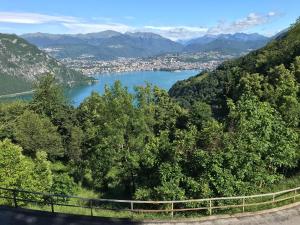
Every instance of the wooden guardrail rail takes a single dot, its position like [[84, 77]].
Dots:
[[19, 198]]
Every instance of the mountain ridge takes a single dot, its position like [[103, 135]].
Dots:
[[111, 44], [106, 44], [23, 63]]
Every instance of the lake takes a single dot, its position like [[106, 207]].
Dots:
[[162, 79]]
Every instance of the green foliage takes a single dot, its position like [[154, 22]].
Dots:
[[21, 57], [35, 133], [9, 112], [200, 113], [20, 172], [239, 133], [63, 184]]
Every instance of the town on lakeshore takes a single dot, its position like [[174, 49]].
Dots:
[[88, 65]]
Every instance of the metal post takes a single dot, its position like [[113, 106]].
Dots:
[[295, 195], [131, 209], [172, 208], [52, 205], [15, 198], [273, 201], [243, 204], [131, 206], [210, 210], [91, 206]]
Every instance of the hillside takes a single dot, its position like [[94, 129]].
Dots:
[[104, 45], [22, 63], [214, 87]]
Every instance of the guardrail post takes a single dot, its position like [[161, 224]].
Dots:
[[52, 205], [15, 198], [210, 210], [131, 206], [131, 209], [172, 208], [273, 200], [243, 204], [91, 206], [295, 195]]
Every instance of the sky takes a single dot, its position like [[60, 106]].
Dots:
[[173, 19]]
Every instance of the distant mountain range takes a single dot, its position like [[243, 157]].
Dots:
[[111, 44], [227, 43], [23, 63], [105, 45]]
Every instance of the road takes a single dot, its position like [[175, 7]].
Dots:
[[284, 216]]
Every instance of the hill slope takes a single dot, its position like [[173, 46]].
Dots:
[[214, 87], [22, 63]]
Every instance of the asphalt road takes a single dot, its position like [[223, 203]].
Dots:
[[284, 216]]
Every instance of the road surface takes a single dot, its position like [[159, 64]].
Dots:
[[283, 216]]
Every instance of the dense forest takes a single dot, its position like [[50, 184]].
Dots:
[[228, 132]]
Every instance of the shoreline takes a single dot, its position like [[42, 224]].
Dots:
[[136, 71], [16, 94]]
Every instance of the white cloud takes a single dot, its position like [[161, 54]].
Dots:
[[189, 32], [97, 24], [241, 25], [176, 32], [33, 18]]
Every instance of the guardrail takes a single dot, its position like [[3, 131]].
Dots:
[[19, 198]]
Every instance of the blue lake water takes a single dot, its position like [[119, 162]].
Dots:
[[162, 79]]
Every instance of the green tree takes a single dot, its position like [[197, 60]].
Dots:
[[9, 112], [286, 92], [200, 113], [35, 133], [20, 172]]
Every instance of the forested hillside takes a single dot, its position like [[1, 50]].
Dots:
[[23, 63], [234, 131], [260, 71]]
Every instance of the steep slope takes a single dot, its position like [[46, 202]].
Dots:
[[216, 86], [104, 45], [22, 63]]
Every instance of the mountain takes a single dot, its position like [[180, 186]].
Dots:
[[227, 43], [22, 63], [104, 45], [225, 82], [109, 44]]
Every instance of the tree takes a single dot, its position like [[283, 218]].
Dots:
[[35, 133], [63, 184], [200, 113], [49, 100], [48, 97], [261, 143], [9, 112], [20, 172], [286, 92], [12, 165], [74, 150]]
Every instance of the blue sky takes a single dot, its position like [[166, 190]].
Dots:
[[174, 19]]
